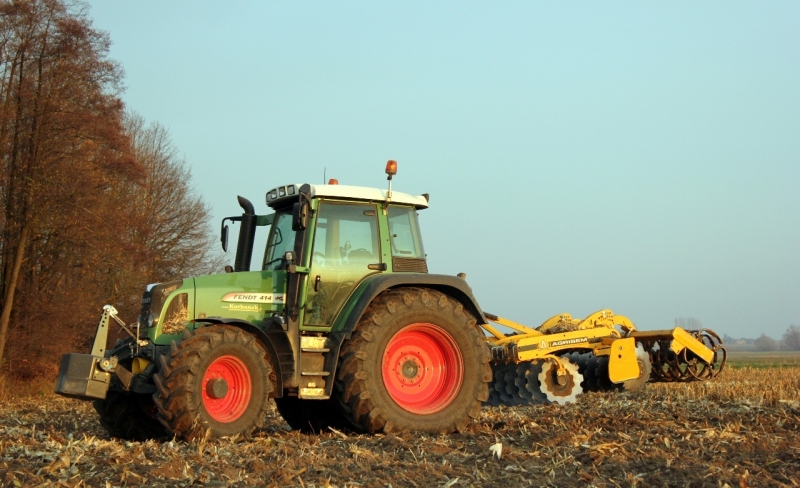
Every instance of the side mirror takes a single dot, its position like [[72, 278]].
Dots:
[[224, 237], [300, 215]]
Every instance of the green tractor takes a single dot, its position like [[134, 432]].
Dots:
[[341, 325], [344, 328]]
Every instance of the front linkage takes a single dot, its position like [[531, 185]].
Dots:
[[126, 367]]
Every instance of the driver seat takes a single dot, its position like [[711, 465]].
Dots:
[[359, 255]]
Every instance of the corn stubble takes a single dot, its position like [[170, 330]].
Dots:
[[742, 429]]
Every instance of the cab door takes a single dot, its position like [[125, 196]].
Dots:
[[346, 249]]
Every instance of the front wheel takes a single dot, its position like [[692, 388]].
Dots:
[[416, 361], [215, 382], [129, 416]]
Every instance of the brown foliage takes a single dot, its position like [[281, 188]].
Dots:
[[81, 191]]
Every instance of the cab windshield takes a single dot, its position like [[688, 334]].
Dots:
[[281, 239]]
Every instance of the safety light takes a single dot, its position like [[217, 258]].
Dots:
[[333, 181], [391, 170], [391, 167]]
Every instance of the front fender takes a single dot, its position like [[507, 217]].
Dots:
[[276, 341]]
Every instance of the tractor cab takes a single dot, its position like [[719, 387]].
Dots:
[[349, 233], [332, 237]]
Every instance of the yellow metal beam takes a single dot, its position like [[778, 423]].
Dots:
[[496, 333], [536, 346], [511, 325]]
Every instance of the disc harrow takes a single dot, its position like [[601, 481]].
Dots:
[[532, 383], [603, 352]]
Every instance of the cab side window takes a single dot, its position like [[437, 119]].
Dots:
[[404, 233]]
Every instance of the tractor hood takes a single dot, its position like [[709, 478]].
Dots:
[[251, 296]]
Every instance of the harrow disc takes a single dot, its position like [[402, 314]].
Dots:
[[494, 392], [645, 368], [527, 396], [516, 384], [512, 396], [595, 373], [531, 375], [560, 393]]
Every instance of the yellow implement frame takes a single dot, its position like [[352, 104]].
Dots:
[[598, 332], [602, 333]]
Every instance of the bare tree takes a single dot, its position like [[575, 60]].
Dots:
[[766, 343], [689, 323], [173, 223], [791, 338]]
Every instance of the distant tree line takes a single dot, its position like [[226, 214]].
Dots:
[[94, 202], [789, 342]]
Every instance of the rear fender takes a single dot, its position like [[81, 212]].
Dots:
[[452, 286]]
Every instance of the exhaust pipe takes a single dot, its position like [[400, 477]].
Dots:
[[247, 235]]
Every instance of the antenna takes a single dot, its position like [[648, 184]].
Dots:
[[324, 175]]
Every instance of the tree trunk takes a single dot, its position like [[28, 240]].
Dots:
[[12, 286]]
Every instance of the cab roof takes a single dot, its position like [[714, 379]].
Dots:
[[281, 194]]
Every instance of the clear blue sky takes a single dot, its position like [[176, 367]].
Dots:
[[643, 157]]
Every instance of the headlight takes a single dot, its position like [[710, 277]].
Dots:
[[150, 320]]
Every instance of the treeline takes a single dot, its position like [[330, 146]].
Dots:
[[94, 202], [790, 341]]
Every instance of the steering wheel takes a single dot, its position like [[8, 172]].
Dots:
[[359, 253]]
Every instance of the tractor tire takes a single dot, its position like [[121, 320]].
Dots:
[[215, 382], [129, 416], [311, 416], [416, 361]]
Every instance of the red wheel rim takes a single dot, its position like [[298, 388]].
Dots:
[[226, 389], [422, 368]]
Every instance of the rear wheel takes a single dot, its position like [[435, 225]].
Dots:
[[416, 361], [215, 382], [129, 416]]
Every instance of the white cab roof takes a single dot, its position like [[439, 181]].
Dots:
[[345, 192], [364, 193]]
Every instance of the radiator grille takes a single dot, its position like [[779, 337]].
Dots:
[[409, 265]]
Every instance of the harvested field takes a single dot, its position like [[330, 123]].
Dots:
[[773, 359], [743, 429]]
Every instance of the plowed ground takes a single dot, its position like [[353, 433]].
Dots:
[[742, 429]]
